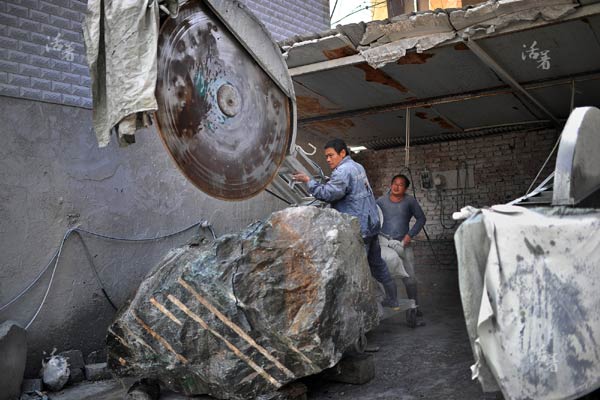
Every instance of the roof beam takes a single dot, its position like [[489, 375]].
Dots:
[[508, 79], [454, 98]]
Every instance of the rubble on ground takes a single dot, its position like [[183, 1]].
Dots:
[[244, 315]]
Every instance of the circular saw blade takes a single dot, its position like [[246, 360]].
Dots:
[[223, 120]]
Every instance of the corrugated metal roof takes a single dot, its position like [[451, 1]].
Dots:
[[357, 81]]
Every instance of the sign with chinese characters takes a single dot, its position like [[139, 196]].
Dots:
[[63, 46], [533, 53]]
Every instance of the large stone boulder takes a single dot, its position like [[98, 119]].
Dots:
[[244, 315]]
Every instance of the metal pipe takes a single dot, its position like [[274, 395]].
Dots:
[[507, 78], [572, 95], [446, 99], [407, 139], [468, 133]]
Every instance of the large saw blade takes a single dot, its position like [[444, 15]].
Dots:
[[222, 118]]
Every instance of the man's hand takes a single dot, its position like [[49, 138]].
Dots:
[[407, 239], [300, 177]]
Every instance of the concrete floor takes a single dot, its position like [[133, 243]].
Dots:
[[430, 362]]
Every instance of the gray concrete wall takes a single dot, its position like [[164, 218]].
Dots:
[[52, 177]]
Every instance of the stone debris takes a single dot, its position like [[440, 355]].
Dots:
[[31, 385], [97, 372], [13, 353], [144, 389], [251, 312], [55, 372], [76, 365]]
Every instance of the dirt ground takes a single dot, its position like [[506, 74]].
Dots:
[[429, 362]]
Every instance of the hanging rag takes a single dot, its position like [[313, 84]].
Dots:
[[121, 40]]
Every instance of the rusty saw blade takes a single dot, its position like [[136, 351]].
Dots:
[[224, 121]]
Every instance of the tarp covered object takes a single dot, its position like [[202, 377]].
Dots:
[[121, 46], [529, 282]]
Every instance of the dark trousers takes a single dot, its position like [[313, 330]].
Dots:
[[379, 268]]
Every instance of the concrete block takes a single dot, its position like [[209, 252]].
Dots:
[[9, 90], [33, 94], [63, 66], [60, 22], [49, 8], [71, 100], [39, 16], [80, 69], [52, 97], [41, 84], [79, 5], [31, 385], [81, 91], [29, 25], [31, 4], [19, 80], [74, 358], [61, 87], [13, 348], [70, 78], [9, 20], [19, 11], [355, 369], [45, 62], [77, 375], [18, 56], [97, 372], [31, 48], [97, 356], [19, 34], [51, 31]]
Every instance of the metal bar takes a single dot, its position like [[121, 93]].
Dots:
[[407, 139], [507, 78], [326, 65], [467, 134], [572, 96], [454, 98]]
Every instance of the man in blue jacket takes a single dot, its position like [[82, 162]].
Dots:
[[348, 191]]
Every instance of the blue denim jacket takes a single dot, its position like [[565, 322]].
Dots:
[[348, 191]]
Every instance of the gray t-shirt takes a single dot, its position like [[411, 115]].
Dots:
[[397, 216]]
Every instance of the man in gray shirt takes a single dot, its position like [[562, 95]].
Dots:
[[398, 209]]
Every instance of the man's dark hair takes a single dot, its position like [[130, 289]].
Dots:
[[338, 145], [406, 180]]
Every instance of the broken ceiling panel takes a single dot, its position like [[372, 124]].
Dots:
[[356, 86], [494, 16], [442, 71], [327, 48]]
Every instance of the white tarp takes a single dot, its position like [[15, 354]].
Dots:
[[530, 287]]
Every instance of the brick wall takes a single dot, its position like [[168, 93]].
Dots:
[[503, 168], [286, 18], [42, 55]]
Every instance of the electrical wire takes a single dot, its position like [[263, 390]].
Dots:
[[56, 258], [544, 165], [333, 9], [359, 10]]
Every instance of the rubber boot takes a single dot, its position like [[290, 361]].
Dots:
[[391, 294], [411, 292]]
